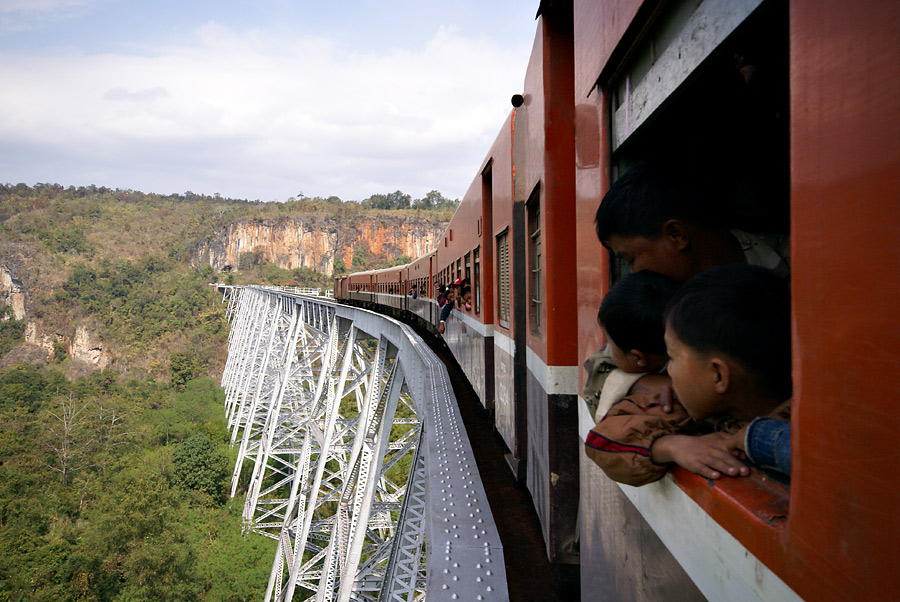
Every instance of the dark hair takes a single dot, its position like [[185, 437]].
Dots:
[[632, 311], [466, 289], [648, 195], [744, 312]]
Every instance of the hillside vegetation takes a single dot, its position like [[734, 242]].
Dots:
[[113, 482]]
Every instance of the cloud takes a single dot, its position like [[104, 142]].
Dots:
[[136, 96], [23, 15], [261, 115]]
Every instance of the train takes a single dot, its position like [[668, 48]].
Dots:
[[792, 110]]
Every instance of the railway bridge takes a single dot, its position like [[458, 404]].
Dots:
[[353, 455]]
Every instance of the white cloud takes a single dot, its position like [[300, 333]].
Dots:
[[23, 15], [259, 115]]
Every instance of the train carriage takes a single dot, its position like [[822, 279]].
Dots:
[[421, 273], [791, 111], [469, 330]]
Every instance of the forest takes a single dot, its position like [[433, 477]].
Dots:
[[113, 481]]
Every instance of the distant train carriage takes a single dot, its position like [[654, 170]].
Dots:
[[791, 113], [421, 274]]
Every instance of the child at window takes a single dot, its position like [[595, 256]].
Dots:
[[727, 334], [447, 308], [631, 318]]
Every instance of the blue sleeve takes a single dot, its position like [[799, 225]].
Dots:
[[445, 311], [768, 443]]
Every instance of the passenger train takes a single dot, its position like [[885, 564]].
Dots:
[[792, 111]]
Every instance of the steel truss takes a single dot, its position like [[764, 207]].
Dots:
[[346, 426]]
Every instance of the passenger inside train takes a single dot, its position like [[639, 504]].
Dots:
[[465, 298], [727, 334], [447, 307], [655, 217], [631, 318]]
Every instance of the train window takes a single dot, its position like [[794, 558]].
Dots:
[[533, 223], [468, 265], [459, 268], [503, 278], [476, 281], [720, 112]]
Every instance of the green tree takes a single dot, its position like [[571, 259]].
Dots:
[[435, 201], [200, 464], [182, 368], [393, 200], [23, 386]]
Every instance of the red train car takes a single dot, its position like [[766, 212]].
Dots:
[[460, 256], [793, 111], [421, 274]]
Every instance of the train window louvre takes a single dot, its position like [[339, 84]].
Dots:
[[535, 299], [503, 278], [476, 282], [468, 265]]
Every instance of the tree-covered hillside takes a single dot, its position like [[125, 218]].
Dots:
[[117, 491]]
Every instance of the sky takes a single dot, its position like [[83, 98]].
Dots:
[[258, 99]]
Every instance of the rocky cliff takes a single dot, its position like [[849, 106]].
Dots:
[[12, 293], [86, 346], [316, 242]]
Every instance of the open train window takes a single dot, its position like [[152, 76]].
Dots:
[[715, 103], [706, 90]]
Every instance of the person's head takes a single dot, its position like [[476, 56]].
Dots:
[[466, 294], [631, 316], [728, 334], [654, 216]]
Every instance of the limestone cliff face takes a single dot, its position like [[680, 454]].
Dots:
[[12, 293], [316, 242], [85, 347]]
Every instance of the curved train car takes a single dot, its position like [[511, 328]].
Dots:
[[792, 111], [422, 300]]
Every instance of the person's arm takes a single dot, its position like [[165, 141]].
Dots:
[[707, 455], [445, 313], [765, 441], [621, 442]]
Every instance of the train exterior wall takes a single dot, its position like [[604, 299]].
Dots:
[[845, 207], [508, 419], [543, 149], [469, 332]]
